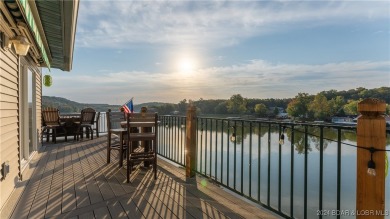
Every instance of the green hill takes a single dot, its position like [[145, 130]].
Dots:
[[68, 106]]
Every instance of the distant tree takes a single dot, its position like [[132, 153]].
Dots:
[[166, 109], [351, 107], [261, 109], [182, 106], [336, 105], [221, 108], [236, 104], [276, 111], [298, 106], [319, 107]]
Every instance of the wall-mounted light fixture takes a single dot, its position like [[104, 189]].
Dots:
[[21, 45]]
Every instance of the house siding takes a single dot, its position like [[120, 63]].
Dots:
[[38, 100], [9, 121]]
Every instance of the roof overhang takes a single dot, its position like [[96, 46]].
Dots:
[[59, 19], [52, 25]]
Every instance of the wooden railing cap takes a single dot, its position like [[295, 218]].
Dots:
[[372, 105]]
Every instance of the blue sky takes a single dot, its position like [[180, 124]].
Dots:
[[166, 51]]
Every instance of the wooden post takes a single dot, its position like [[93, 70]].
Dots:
[[371, 132], [190, 141]]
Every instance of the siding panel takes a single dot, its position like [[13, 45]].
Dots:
[[8, 106], [10, 58], [7, 90], [7, 98], [39, 103], [9, 121], [8, 113], [5, 73], [6, 121], [7, 83]]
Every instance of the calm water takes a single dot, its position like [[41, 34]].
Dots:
[[213, 145]]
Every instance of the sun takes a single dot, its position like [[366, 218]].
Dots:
[[186, 65]]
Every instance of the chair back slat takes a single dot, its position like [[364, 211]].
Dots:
[[87, 116], [114, 120], [50, 116], [142, 120], [145, 119]]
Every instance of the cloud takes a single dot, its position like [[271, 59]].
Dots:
[[212, 23], [253, 79]]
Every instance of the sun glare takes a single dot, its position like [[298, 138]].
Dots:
[[186, 65]]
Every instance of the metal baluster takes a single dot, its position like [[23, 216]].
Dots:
[[321, 168], [292, 174], [235, 155], [177, 147], [338, 170], [250, 159], [259, 164], [228, 154], [211, 145], [269, 164], [242, 157], [222, 127], [216, 150], [305, 180], [205, 150], [201, 145], [280, 171]]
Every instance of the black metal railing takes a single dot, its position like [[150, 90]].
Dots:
[[172, 135], [293, 169]]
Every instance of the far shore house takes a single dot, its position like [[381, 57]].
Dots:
[[33, 34]]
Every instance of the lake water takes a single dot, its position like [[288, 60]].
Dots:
[[214, 144]]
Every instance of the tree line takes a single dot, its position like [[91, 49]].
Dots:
[[322, 105]]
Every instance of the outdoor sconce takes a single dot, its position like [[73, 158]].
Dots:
[[20, 43]]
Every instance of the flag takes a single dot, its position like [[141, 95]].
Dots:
[[128, 106]]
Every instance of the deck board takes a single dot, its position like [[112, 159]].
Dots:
[[73, 180]]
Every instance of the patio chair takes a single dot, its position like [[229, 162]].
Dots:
[[136, 153], [51, 123], [114, 129], [87, 119]]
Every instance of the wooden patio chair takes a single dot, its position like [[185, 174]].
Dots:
[[51, 123], [135, 152], [87, 119], [114, 129]]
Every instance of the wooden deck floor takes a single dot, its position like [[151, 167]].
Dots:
[[73, 180]]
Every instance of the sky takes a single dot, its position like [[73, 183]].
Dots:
[[167, 51]]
